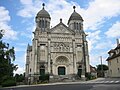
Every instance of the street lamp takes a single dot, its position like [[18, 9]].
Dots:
[[101, 65]]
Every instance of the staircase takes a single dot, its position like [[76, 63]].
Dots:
[[64, 78]]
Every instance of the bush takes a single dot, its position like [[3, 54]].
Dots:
[[7, 83], [88, 76], [43, 78]]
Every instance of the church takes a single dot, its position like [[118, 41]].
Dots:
[[60, 51]]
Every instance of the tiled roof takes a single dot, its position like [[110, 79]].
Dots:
[[118, 47], [114, 54], [93, 69], [111, 51]]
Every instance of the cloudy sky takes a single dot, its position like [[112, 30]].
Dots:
[[101, 23]]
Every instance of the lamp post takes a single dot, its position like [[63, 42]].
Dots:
[[101, 66]]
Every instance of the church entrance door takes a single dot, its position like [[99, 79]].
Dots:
[[42, 70], [79, 72], [61, 70]]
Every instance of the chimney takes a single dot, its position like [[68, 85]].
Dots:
[[117, 41]]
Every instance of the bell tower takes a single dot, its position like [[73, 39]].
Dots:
[[75, 22], [43, 20]]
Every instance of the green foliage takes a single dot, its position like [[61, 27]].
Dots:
[[19, 78], [99, 67], [88, 76], [44, 77], [7, 55], [9, 82]]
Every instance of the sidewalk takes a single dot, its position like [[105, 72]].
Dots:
[[96, 79], [58, 83]]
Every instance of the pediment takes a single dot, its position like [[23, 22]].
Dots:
[[61, 28]]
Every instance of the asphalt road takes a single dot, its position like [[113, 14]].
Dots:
[[98, 84], [70, 87]]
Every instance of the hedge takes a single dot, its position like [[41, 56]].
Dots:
[[7, 83], [43, 78]]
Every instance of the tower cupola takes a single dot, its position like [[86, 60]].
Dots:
[[43, 19], [75, 21]]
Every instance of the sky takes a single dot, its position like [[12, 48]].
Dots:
[[101, 24]]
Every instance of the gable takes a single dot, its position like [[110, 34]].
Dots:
[[61, 28]]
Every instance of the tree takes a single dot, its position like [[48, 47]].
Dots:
[[101, 69], [7, 56], [19, 77]]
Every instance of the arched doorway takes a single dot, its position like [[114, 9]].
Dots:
[[42, 70], [61, 70], [62, 65], [79, 70]]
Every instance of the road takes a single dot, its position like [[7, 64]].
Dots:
[[107, 84]]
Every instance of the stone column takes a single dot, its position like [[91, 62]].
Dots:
[[83, 59], [87, 58], [49, 55], [35, 53], [74, 57]]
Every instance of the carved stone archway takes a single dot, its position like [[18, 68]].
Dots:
[[62, 60], [62, 63]]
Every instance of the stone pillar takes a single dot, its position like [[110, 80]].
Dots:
[[35, 53], [87, 58], [49, 55], [83, 59], [74, 58]]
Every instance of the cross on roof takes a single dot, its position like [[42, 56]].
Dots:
[[43, 5], [74, 8]]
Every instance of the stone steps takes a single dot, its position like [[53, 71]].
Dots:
[[64, 78]]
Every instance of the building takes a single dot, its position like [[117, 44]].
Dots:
[[59, 51], [93, 71], [114, 61]]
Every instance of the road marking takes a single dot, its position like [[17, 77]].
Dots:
[[104, 81], [117, 81], [111, 81]]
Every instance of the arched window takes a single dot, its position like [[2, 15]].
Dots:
[[77, 26], [80, 26], [74, 25], [43, 24], [40, 24]]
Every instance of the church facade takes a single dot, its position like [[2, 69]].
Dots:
[[59, 51]]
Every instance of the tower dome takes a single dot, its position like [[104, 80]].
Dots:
[[43, 20], [75, 16], [43, 13]]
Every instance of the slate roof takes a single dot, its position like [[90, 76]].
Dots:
[[75, 16], [43, 14], [114, 54]]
